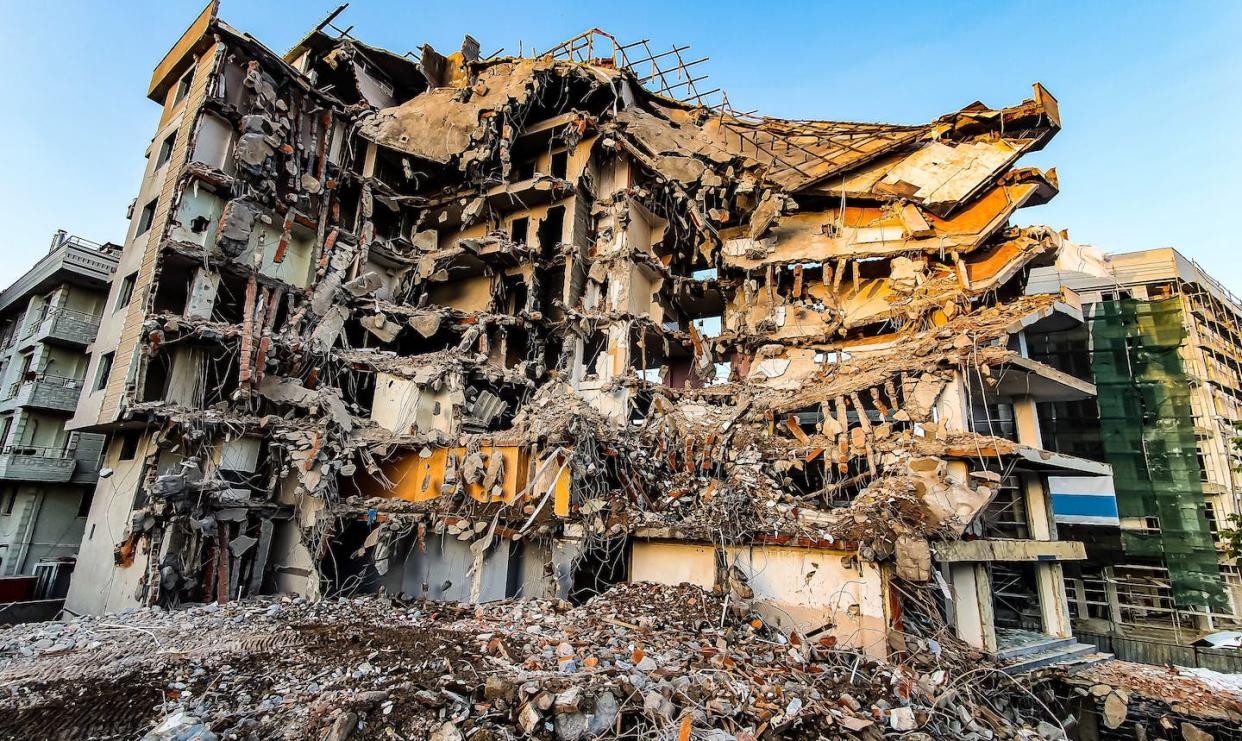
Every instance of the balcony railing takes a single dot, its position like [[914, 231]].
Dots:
[[46, 391], [65, 325], [78, 462], [30, 463]]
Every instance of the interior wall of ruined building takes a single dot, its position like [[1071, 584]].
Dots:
[[812, 591]]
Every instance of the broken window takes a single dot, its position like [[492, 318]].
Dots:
[[129, 445], [183, 86], [517, 230], [146, 217], [166, 149], [592, 354], [598, 568], [173, 289], [523, 170], [125, 292], [550, 231], [560, 164], [105, 369]]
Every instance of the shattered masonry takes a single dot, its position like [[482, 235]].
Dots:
[[470, 328]]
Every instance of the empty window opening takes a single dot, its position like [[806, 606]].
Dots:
[[105, 369], [173, 289], [166, 150], [183, 86], [146, 217], [155, 385], [129, 445], [599, 568], [126, 290], [518, 294], [550, 231], [523, 170], [560, 164], [518, 229], [593, 350]]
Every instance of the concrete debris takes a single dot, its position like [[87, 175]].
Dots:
[[369, 667]]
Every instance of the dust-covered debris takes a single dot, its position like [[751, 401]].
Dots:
[[639, 661]]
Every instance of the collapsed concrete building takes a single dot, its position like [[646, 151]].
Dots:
[[467, 328]]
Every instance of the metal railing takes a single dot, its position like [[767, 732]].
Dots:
[[68, 324], [35, 451], [1145, 651]]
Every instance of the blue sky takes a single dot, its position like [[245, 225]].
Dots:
[[1148, 92]]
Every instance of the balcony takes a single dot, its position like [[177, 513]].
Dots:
[[46, 391], [77, 463], [28, 463], [64, 327]]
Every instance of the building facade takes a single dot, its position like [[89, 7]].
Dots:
[[1162, 344], [48, 317], [465, 328]]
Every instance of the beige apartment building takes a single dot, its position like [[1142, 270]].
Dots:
[[48, 317], [1163, 343]]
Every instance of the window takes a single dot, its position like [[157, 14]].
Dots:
[[1160, 291], [166, 150], [517, 230], [105, 369], [560, 164], [146, 217], [129, 445], [1209, 513], [183, 87], [84, 505], [126, 291], [9, 497]]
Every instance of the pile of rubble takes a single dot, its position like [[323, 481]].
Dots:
[[1146, 701], [639, 661]]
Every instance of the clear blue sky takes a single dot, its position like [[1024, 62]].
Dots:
[[1148, 92]]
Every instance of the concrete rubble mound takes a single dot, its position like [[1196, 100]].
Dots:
[[639, 661]]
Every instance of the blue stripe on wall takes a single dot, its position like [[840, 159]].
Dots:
[[1084, 505]]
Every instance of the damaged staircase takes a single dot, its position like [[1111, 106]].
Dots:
[[1035, 651]]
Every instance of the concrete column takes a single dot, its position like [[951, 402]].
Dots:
[[972, 605], [1049, 576], [1026, 420], [1053, 606], [1035, 493]]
